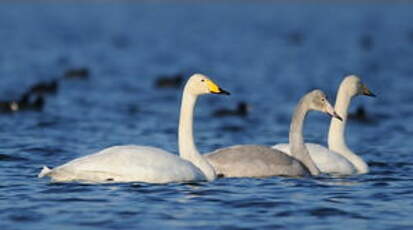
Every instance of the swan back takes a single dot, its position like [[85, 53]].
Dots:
[[325, 159], [127, 164], [255, 161]]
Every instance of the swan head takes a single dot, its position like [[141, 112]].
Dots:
[[318, 101], [356, 87], [199, 84]]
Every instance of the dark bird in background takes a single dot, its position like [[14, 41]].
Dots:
[[169, 81], [232, 128], [242, 110], [31, 102], [359, 114], [33, 98], [8, 106], [48, 87], [27, 101], [79, 73]]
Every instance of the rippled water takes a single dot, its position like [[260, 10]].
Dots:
[[268, 54]]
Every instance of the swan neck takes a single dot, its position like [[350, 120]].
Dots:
[[298, 148], [336, 134], [187, 147], [336, 138]]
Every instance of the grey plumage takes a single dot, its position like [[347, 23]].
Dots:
[[262, 161], [255, 161]]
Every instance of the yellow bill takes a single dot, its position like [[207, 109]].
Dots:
[[214, 88]]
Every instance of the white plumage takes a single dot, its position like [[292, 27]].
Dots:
[[133, 163], [126, 164], [326, 160], [338, 158]]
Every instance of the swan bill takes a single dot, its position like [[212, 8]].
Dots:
[[221, 91], [215, 89], [335, 115], [332, 112], [367, 92]]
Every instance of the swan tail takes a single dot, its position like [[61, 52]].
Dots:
[[45, 171]]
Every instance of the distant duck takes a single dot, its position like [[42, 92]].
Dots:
[[171, 81], [132, 109], [79, 73], [48, 87], [232, 128], [37, 104], [8, 106], [26, 102], [242, 110], [360, 114], [30, 102]]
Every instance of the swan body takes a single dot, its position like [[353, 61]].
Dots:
[[133, 163], [263, 161], [127, 163], [326, 160], [338, 158], [255, 161]]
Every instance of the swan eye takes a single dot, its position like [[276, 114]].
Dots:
[[203, 80]]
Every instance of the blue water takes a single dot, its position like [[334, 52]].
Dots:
[[266, 53]]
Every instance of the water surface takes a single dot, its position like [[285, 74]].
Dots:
[[268, 54]]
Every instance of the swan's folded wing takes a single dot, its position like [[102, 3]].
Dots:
[[128, 164], [254, 161]]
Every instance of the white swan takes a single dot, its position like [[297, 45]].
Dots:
[[263, 161], [133, 163], [338, 159]]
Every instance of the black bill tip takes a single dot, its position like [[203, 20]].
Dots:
[[222, 91], [367, 92], [335, 115]]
